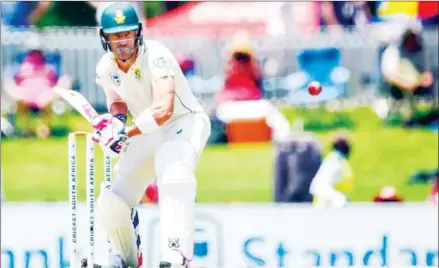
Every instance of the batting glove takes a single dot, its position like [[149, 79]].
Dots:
[[111, 144], [104, 121]]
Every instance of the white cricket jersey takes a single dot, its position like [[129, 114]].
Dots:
[[135, 87]]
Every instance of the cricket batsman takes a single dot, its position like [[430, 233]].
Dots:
[[168, 134]]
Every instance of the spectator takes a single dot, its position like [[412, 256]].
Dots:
[[297, 161], [30, 86], [334, 179], [425, 11], [44, 14], [337, 15], [428, 11], [405, 66], [196, 82], [22, 14], [243, 79], [187, 64]]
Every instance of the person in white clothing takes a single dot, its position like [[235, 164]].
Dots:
[[334, 177], [165, 140]]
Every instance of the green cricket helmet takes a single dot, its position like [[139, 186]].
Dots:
[[118, 18]]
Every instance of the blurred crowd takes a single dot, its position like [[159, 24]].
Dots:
[[245, 76], [23, 14], [406, 75], [18, 14]]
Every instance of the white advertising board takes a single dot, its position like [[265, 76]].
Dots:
[[36, 236]]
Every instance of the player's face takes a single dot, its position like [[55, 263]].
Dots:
[[123, 44]]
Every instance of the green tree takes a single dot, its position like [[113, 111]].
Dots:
[[66, 13], [153, 8]]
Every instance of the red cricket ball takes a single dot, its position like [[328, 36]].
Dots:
[[314, 88]]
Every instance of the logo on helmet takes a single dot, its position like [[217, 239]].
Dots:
[[120, 17]]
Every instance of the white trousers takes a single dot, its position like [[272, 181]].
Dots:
[[146, 157]]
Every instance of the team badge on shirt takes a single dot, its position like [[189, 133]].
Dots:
[[137, 73], [160, 62], [115, 78]]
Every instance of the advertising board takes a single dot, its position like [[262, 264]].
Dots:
[[260, 235]]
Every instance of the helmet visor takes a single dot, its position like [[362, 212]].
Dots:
[[120, 29]]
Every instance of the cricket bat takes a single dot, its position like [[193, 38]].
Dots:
[[78, 101]]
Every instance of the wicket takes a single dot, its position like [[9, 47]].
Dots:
[[90, 182]]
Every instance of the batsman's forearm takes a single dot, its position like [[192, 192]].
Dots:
[[132, 130], [118, 108], [152, 118]]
